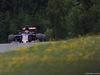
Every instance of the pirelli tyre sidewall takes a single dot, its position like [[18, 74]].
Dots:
[[11, 38]]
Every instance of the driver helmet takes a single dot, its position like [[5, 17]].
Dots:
[[26, 32]]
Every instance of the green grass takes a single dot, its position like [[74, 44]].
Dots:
[[71, 57]]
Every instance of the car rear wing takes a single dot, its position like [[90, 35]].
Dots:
[[31, 28]]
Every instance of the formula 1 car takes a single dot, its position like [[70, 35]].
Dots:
[[27, 36]]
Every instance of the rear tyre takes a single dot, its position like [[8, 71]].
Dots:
[[43, 37], [39, 36], [11, 38]]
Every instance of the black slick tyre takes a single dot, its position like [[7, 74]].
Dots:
[[11, 38]]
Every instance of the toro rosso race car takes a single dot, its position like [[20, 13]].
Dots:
[[27, 36]]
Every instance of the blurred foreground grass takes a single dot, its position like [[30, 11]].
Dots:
[[72, 57]]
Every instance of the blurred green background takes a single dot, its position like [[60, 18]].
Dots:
[[58, 19]]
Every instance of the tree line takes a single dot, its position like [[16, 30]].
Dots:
[[58, 19]]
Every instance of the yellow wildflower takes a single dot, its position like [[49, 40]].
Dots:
[[53, 43], [79, 36], [48, 49], [80, 54]]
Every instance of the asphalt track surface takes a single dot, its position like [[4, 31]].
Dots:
[[13, 46]]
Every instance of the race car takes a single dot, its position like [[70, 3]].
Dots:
[[27, 36]]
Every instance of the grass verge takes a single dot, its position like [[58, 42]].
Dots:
[[72, 57]]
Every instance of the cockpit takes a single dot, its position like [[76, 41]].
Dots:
[[26, 32]]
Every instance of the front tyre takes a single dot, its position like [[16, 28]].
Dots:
[[11, 38]]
